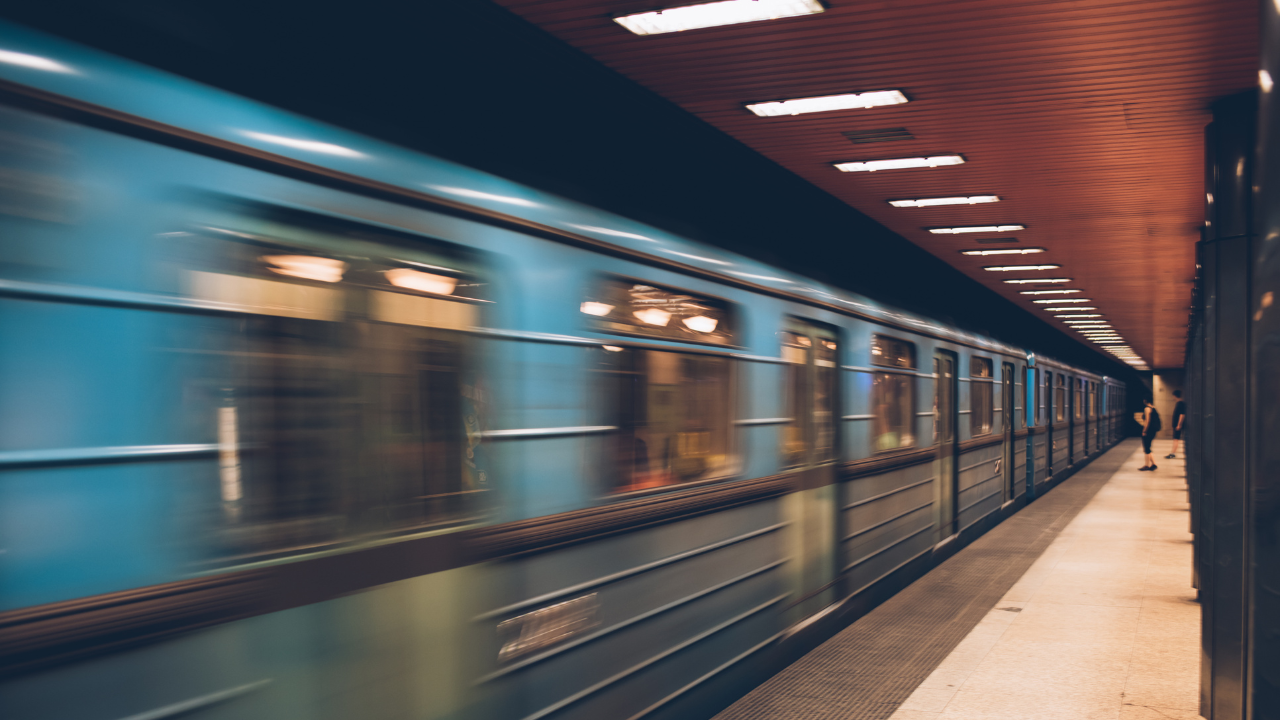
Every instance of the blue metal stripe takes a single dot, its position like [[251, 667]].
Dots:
[[61, 456], [117, 298]]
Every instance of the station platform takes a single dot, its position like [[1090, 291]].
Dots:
[[1094, 619]]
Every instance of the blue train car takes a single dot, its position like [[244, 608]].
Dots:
[[297, 424]]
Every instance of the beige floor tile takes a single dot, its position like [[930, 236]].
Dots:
[[973, 705], [945, 678], [929, 699], [1108, 627], [1142, 712], [1162, 691], [913, 715]]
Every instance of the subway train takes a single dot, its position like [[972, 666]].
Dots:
[[298, 424]]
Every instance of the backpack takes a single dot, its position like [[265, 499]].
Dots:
[[1154, 426]]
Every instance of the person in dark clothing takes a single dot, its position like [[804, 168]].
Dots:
[[1179, 416], [1150, 426]]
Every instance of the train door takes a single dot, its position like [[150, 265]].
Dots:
[[1073, 398], [1007, 421], [944, 423], [1049, 411], [810, 448]]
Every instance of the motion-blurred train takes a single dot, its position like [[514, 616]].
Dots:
[[297, 424]]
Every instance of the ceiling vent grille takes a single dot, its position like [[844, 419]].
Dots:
[[882, 135]]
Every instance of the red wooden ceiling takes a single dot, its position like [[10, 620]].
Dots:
[[1085, 116]]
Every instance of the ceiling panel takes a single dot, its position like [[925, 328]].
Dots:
[[1086, 117]]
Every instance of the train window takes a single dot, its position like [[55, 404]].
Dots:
[[1021, 400], [671, 411], [980, 396], [345, 396], [810, 353], [1037, 412], [1060, 398], [795, 350], [893, 393], [1078, 403], [628, 307]]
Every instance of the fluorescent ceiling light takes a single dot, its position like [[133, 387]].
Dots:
[[850, 101], [976, 229], [1085, 315], [1037, 281], [1004, 251], [899, 163], [1009, 268], [938, 202], [1052, 292], [1068, 309], [1061, 300], [715, 14]]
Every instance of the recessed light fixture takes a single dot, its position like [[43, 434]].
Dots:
[[1068, 309], [1010, 268], [1051, 292], [1061, 300], [938, 202], [1084, 315], [976, 229], [899, 163], [715, 14], [826, 103], [1004, 251], [1037, 281]]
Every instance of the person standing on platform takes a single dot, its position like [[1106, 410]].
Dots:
[[1179, 416], [1150, 426]]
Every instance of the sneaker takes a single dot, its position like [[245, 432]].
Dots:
[[1170, 456], [1153, 467], [1145, 468]]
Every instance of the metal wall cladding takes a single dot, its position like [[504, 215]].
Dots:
[[1221, 400], [1084, 117], [1264, 386]]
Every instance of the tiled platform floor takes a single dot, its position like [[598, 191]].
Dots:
[[1104, 625]]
